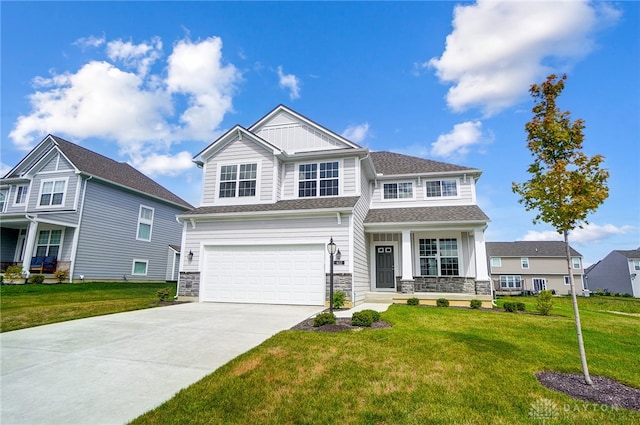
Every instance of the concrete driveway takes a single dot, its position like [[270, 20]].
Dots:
[[111, 369]]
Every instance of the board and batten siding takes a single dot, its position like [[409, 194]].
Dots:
[[292, 136], [240, 152], [107, 243], [465, 196]]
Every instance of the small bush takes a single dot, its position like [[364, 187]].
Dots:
[[1, 279], [544, 303], [62, 275], [36, 279], [13, 274], [520, 306], [163, 294], [326, 318], [339, 299], [413, 301], [442, 302], [365, 318], [475, 304], [509, 306]]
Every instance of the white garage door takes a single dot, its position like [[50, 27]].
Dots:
[[275, 274]]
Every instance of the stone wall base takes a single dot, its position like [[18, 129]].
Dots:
[[189, 285], [341, 282], [444, 284]]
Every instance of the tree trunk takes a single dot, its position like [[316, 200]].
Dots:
[[576, 313]]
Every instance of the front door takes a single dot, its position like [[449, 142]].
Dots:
[[385, 276]]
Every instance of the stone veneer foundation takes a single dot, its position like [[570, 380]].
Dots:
[[189, 284], [453, 284]]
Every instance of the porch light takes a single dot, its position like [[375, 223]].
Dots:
[[338, 255], [331, 248], [190, 256]]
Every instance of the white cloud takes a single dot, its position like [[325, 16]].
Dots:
[[588, 234], [91, 41], [291, 82], [159, 164], [459, 140], [140, 111], [499, 48], [356, 133]]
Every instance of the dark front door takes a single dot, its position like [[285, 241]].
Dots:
[[385, 277]]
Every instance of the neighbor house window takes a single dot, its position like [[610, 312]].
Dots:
[[21, 195], [496, 262], [48, 243], [636, 264], [238, 180], [3, 199], [398, 190], [567, 281], [510, 282], [145, 223], [318, 179], [139, 267], [439, 257], [52, 192], [441, 188], [524, 262], [576, 262]]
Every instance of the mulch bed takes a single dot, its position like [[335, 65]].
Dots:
[[342, 324], [603, 391]]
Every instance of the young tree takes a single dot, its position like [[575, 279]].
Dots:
[[565, 184]]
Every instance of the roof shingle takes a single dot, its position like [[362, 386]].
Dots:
[[528, 249], [286, 205], [389, 163], [454, 213]]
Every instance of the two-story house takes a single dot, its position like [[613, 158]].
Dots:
[[618, 272], [533, 266], [64, 206], [276, 193]]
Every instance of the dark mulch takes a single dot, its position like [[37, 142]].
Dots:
[[342, 324], [603, 391]]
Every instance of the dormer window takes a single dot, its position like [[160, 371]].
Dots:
[[441, 188], [320, 179], [238, 180]]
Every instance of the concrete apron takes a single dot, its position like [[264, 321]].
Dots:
[[111, 369]]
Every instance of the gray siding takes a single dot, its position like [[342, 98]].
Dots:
[[612, 274], [107, 244]]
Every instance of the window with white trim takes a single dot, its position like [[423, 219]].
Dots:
[[140, 267], [510, 282], [398, 190], [441, 188], [524, 262], [496, 262], [238, 180], [21, 195], [145, 223], [3, 199], [567, 281], [575, 262], [321, 179], [636, 264], [439, 257], [48, 243], [52, 192]]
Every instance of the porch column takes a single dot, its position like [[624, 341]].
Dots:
[[32, 233], [406, 281], [482, 271]]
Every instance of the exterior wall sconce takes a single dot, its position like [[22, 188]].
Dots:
[[190, 256]]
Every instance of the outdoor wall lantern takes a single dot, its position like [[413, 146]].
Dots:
[[190, 256], [331, 248]]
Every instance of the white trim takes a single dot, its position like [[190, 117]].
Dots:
[[64, 193], [524, 260], [133, 267], [142, 220], [506, 276], [497, 263], [438, 236], [396, 260], [296, 182], [457, 195], [26, 196], [238, 200], [398, 199]]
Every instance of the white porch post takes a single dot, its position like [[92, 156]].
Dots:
[[407, 271], [29, 244], [482, 271]]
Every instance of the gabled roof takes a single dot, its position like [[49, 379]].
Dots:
[[286, 205], [529, 249], [239, 132], [630, 253], [438, 214], [389, 163], [120, 173]]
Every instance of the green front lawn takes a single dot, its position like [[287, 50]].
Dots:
[[435, 365], [24, 306]]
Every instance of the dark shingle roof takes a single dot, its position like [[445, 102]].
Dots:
[[287, 205], [116, 172], [631, 253], [389, 163], [455, 213], [528, 249]]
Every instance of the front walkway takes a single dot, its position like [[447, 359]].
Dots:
[[111, 369]]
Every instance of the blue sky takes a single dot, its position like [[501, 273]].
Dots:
[[153, 83]]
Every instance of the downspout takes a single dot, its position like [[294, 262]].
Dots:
[[76, 235]]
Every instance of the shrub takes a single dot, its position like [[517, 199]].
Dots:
[[509, 306], [62, 275], [339, 298], [365, 318], [442, 302], [326, 318], [36, 278], [413, 301], [13, 273], [544, 303], [163, 294], [1, 279], [475, 303], [520, 306]]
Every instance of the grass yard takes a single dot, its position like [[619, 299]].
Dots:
[[435, 365], [24, 306]]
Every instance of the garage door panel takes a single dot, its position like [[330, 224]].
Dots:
[[276, 274]]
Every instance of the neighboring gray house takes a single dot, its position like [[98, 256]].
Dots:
[[531, 266], [617, 272], [275, 194], [64, 206]]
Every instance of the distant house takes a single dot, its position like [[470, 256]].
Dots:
[[617, 272], [531, 266], [66, 207]]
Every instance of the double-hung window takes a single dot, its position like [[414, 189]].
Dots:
[[238, 180], [524, 262], [636, 264], [320, 179], [441, 188], [496, 262], [145, 223], [439, 257], [398, 190], [48, 243], [3, 199], [510, 282], [21, 195], [52, 192], [576, 262]]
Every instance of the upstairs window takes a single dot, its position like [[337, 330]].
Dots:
[[524, 262], [576, 262], [398, 190], [496, 262], [21, 195], [441, 188], [318, 179], [239, 180], [52, 192], [3, 199], [145, 223], [439, 257], [636, 264]]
